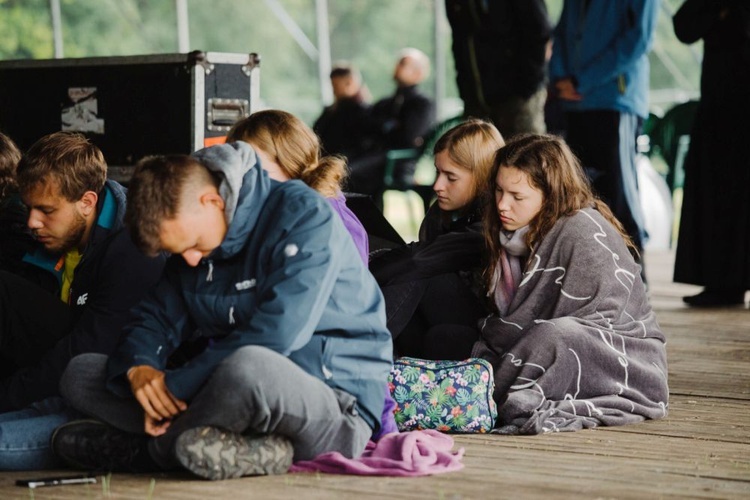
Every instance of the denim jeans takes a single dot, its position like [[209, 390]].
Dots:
[[25, 435], [254, 390]]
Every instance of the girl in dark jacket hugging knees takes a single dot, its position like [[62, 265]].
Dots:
[[433, 287], [573, 339]]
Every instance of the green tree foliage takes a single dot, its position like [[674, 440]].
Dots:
[[118, 27], [26, 29]]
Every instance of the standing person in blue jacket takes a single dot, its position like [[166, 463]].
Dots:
[[299, 348], [600, 72], [76, 216]]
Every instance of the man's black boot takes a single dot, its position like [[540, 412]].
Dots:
[[96, 446]]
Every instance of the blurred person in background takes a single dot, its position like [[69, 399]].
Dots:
[[401, 121], [713, 248], [501, 49]]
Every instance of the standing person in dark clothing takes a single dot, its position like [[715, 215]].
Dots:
[[600, 71], [713, 248], [76, 215], [500, 52], [402, 121], [344, 127]]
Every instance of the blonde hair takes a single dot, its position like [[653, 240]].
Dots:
[[472, 145], [294, 147]]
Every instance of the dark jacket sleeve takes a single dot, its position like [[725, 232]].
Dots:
[[450, 252], [160, 323], [415, 120], [559, 66], [124, 275]]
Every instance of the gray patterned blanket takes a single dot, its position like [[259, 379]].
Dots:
[[580, 346]]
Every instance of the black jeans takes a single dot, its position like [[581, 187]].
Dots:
[[433, 318], [604, 141], [32, 320]]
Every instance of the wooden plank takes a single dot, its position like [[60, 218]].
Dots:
[[701, 450], [699, 418]]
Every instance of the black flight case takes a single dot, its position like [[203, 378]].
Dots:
[[130, 106]]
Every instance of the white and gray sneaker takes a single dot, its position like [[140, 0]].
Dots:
[[213, 453]]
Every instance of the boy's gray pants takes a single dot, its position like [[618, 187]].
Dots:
[[254, 390]]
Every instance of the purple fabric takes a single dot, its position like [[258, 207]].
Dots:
[[352, 224], [359, 235], [416, 453], [387, 420]]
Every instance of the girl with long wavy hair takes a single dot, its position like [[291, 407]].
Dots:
[[573, 339]]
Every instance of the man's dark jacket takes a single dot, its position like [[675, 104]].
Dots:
[[111, 277], [499, 48]]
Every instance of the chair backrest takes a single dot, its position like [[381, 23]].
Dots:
[[437, 131], [646, 134], [395, 155], [650, 124], [665, 137]]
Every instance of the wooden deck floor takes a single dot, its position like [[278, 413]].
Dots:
[[702, 450]]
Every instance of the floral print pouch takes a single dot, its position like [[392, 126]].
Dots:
[[448, 396]]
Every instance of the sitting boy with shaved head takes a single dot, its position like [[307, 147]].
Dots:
[[298, 349]]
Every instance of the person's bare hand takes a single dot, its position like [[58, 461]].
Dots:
[[566, 90], [156, 427], [147, 384]]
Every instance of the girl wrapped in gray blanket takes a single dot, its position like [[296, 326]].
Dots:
[[574, 341]]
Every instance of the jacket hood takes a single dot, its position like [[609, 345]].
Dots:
[[244, 187], [111, 212]]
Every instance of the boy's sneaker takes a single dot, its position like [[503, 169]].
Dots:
[[95, 446], [213, 454]]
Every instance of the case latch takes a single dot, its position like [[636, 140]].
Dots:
[[221, 114]]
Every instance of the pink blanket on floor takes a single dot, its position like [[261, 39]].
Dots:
[[416, 453]]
